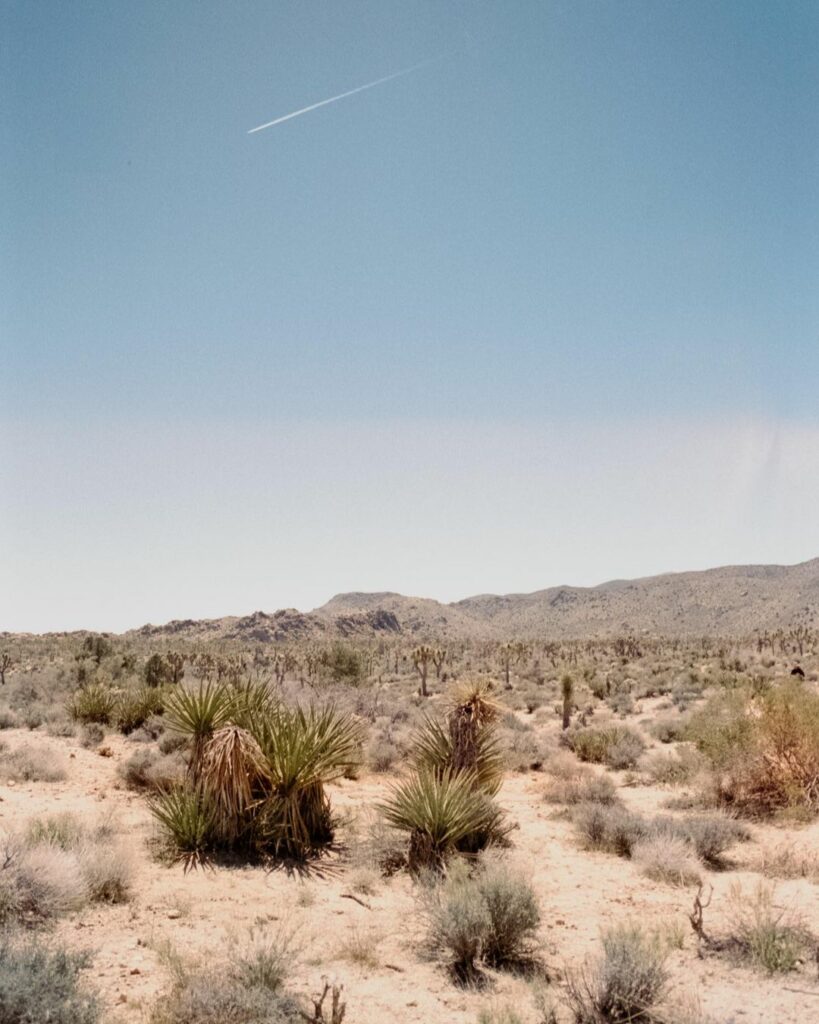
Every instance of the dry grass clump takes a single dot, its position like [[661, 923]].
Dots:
[[360, 946], [764, 748], [58, 866], [789, 861], [150, 770], [625, 985], [617, 746], [490, 916], [572, 783], [771, 939], [30, 763], [245, 986], [668, 859]]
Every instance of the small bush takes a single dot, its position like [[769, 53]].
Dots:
[[584, 787], [50, 882], [612, 829], [789, 861], [133, 709], [92, 735], [40, 983], [668, 729], [625, 984], [711, 835], [617, 746], [673, 768], [667, 859], [145, 769], [108, 871], [8, 719], [772, 940], [491, 915]]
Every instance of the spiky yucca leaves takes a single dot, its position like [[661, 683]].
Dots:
[[187, 815], [94, 702], [441, 811], [302, 752], [197, 713], [231, 771], [253, 701], [435, 749]]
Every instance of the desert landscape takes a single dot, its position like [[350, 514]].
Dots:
[[577, 805]]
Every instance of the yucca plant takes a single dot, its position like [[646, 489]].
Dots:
[[302, 751], [94, 702], [197, 714], [188, 817], [441, 811], [436, 749], [134, 708]]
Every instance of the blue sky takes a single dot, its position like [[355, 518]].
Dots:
[[583, 227]]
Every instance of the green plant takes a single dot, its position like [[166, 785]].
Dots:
[[134, 708], [197, 713], [94, 702], [440, 810], [302, 751], [187, 816], [435, 750], [772, 939], [41, 983]]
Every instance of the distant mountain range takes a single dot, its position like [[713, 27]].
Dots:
[[729, 601]]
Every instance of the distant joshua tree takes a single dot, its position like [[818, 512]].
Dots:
[[567, 688], [6, 662], [421, 657]]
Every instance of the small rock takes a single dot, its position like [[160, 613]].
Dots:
[[135, 970], [173, 914]]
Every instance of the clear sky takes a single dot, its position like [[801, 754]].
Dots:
[[544, 310]]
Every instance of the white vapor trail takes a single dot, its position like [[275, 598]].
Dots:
[[343, 95]]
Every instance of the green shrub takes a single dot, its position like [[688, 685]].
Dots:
[[39, 983], [442, 813], [612, 828], [94, 702], [187, 817], [134, 708]]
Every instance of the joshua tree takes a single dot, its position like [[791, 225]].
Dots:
[[511, 653], [6, 662], [421, 657], [567, 687], [438, 658]]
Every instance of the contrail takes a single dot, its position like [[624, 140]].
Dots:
[[343, 95]]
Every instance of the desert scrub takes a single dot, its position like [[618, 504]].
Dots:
[[673, 768], [147, 769], [764, 748], [243, 987], [489, 916], [576, 784], [30, 763], [617, 746], [668, 859], [772, 940], [40, 983], [134, 708], [624, 985]]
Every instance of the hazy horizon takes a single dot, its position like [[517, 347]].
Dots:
[[504, 296]]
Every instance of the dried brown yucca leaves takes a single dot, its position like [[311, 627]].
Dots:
[[231, 765]]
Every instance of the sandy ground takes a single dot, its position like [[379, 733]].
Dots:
[[579, 892]]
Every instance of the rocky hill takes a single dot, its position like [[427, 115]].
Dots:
[[729, 601]]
